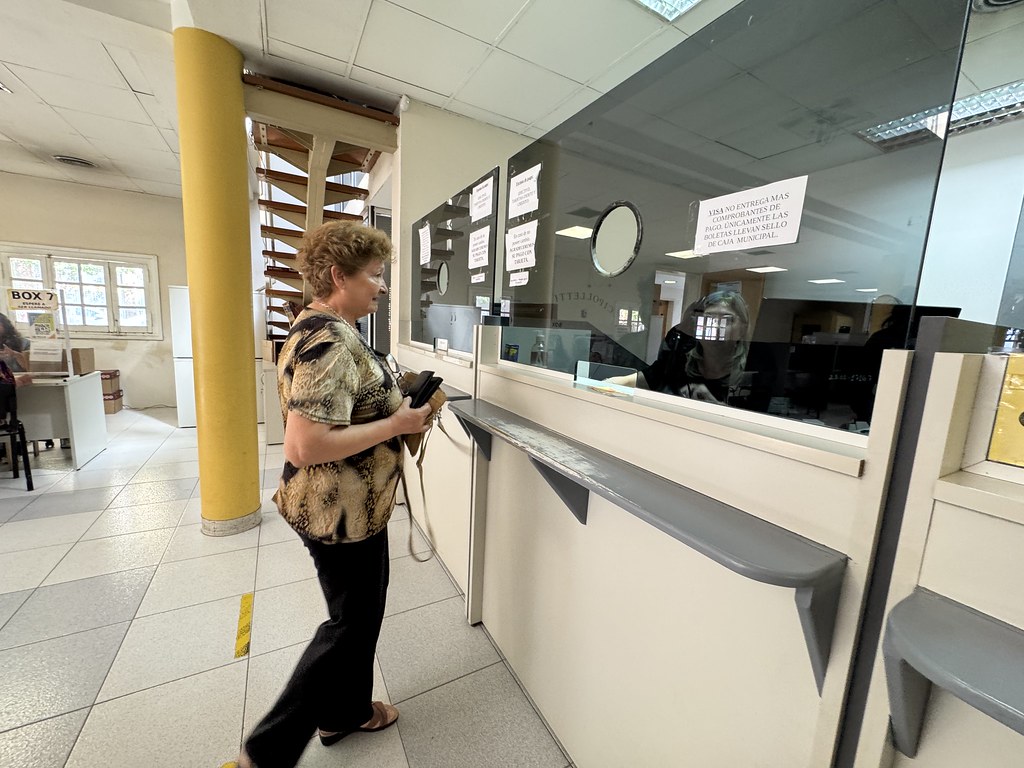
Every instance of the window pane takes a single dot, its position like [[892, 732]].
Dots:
[[93, 273], [65, 271], [25, 284], [74, 315], [96, 295], [133, 276], [27, 269], [96, 316], [134, 318], [131, 297], [72, 292]]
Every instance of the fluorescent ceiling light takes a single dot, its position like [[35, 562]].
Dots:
[[669, 282], [580, 233], [867, 290], [670, 10], [767, 269], [826, 281], [684, 254]]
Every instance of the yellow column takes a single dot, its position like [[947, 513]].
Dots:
[[215, 199]]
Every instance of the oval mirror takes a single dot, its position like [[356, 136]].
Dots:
[[616, 238], [442, 278]]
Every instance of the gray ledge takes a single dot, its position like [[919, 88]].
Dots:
[[932, 639], [743, 543]]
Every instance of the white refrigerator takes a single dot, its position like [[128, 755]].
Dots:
[[181, 350]]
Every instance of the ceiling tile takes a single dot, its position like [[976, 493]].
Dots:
[[171, 137], [144, 173], [53, 48], [155, 112], [397, 87], [408, 47], [82, 95], [510, 86], [307, 57], [102, 178], [16, 159], [19, 90], [568, 108], [159, 188], [996, 59], [703, 14], [649, 50], [5, 138], [985, 24], [164, 161], [551, 34], [327, 27], [483, 116], [482, 19], [108, 133]]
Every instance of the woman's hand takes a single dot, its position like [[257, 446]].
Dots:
[[410, 421], [702, 393]]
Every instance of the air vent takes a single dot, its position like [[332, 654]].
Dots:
[[77, 162], [990, 6]]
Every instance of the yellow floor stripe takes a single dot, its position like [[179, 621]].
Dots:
[[244, 626]]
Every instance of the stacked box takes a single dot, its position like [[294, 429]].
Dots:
[[112, 393]]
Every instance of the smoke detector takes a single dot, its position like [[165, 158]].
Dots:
[[77, 162]]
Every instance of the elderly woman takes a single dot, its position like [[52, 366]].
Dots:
[[344, 418]]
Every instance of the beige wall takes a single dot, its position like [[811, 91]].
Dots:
[[46, 212]]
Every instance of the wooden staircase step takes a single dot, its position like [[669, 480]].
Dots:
[[284, 326], [281, 256], [292, 183], [279, 293], [292, 237]]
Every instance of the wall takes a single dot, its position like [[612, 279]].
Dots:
[[439, 154], [46, 212], [977, 208]]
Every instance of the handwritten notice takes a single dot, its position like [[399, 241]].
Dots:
[[522, 195], [478, 246], [479, 277], [519, 278], [424, 244], [481, 200], [521, 246], [753, 218]]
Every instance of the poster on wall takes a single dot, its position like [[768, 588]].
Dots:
[[425, 244], [478, 247], [481, 200], [521, 246], [523, 196], [753, 218]]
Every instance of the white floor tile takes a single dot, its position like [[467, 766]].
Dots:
[[274, 529], [173, 455], [11, 602], [193, 514], [398, 539], [169, 646], [44, 744], [141, 517], [191, 722], [114, 553], [93, 478], [199, 580], [70, 503], [153, 472], [284, 563], [44, 532], [150, 493], [286, 615], [190, 541], [27, 569], [414, 584]]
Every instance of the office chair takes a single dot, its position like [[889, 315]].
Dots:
[[10, 426]]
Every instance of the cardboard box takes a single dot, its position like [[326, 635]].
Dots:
[[111, 381], [82, 358], [112, 402]]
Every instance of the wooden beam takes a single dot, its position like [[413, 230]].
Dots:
[[319, 98]]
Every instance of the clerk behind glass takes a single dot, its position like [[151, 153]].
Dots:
[[704, 355]]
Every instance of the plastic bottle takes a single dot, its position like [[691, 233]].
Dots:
[[537, 353]]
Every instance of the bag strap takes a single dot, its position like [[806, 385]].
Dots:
[[408, 499]]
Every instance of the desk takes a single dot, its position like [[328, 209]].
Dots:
[[69, 408]]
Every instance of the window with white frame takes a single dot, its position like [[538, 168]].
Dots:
[[102, 294]]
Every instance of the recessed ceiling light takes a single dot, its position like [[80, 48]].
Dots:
[[670, 10], [77, 162], [684, 254], [580, 233], [767, 269], [669, 282], [826, 281], [5, 89], [867, 290]]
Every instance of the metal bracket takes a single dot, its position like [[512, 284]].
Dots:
[[817, 606], [575, 496], [478, 434]]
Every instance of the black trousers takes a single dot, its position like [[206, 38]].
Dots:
[[332, 685]]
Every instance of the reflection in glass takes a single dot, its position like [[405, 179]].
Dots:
[[616, 239]]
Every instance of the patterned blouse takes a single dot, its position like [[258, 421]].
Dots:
[[329, 375]]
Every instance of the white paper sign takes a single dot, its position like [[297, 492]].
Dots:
[[478, 278], [45, 351], [483, 302], [481, 200], [478, 242], [506, 306], [753, 218], [519, 278], [31, 299], [521, 246], [522, 194], [424, 244]]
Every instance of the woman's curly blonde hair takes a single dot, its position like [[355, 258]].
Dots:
[[343, 244]]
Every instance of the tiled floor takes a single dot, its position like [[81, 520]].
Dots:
[[118, 622]]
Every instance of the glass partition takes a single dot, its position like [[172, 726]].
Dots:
[[453, 266], [782, 163]]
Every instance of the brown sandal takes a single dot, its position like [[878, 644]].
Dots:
[[384, 716]]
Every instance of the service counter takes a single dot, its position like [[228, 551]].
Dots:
[[66, 408]]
